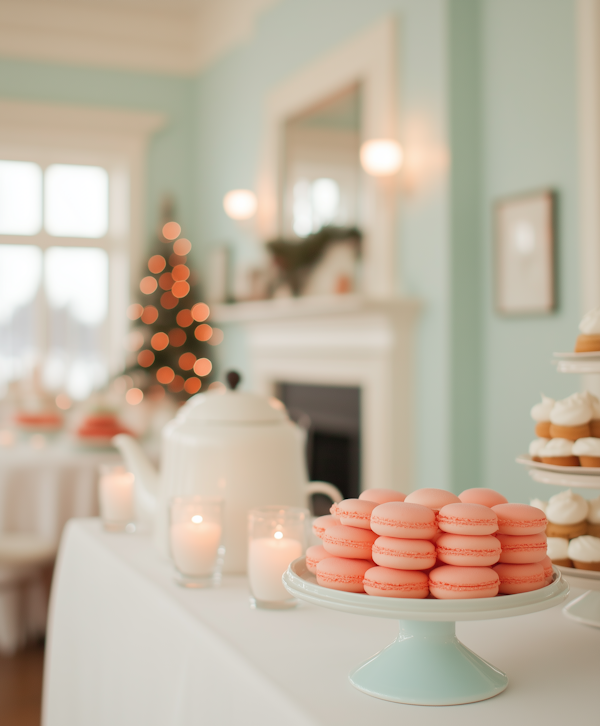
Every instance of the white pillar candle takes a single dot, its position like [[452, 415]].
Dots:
[[268, 559], [116, 497], [194, 546]]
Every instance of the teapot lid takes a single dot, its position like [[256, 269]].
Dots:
[[221, 406]]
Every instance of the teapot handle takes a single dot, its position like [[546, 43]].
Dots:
[[322, 487]]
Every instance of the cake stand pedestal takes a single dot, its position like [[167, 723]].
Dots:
[[426, 665]]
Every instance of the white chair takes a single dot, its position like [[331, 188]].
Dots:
[[22, 559]]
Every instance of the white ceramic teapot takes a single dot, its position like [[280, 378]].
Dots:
[[236, 445]]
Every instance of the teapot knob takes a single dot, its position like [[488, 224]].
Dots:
[[233, 379]]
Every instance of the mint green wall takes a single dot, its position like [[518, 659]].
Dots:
[[169, 165], [529, 89]]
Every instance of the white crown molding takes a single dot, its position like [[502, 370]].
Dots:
[[164, 36]]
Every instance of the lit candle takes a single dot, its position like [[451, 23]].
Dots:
[[116, 497], [268, 559], [194, 546]]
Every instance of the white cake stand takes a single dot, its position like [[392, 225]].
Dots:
[[426, 665]]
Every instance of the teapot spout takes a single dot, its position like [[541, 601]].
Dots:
[[146, 476]]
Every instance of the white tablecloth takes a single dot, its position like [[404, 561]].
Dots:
[[128, 646]]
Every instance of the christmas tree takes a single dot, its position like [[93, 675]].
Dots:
[[168, 343]]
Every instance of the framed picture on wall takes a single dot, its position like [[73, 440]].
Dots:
[[524, 259]]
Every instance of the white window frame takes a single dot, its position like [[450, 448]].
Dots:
[[115, 140]]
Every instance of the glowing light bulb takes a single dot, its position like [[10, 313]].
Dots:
[[240, 204], [196, 519], [278, 535], [381, 157]]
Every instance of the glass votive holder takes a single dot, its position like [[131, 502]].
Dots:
[[277, 535], [196, 535], [117, 499]]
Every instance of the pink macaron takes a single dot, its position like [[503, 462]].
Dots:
[[515, 579], [322, 523], [522, 549], [352, 542], [382, 496], [387, 582], [519, 519], [333, 509], [356, 512], [406, 521], [462, 583], [467, 519], [468, 550], [483, 496], [314, 555], [546, 563], [339, 573], [404, 554], [433, 498]]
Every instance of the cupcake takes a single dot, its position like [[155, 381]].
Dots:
[[570, 418], [595, 422], [593, 518], [559, 452], [557, 549], [535, 447], [585, 553], [589, 340], [588, 451], [540, 413], [566, 514]]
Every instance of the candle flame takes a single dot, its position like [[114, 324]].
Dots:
[[196, 519], [278, 535]]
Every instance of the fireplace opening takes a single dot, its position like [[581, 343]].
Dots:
[[331, 417]]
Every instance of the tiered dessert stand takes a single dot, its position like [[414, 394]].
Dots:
[[426, 665], [585, 609]]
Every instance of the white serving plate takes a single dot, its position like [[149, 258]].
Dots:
[[577, 362], [563, 476], [427, 664]]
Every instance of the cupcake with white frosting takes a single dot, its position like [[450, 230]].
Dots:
[[595, 422], [558, 452], [570, 418], [557, 549], [585, 553], [535, 448], [540, 413], [567, 515], [588, 451], [589, 340], [593, 517]]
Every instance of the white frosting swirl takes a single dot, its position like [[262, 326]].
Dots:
[[557, 447], [538, 504], [589, 446], [536, 446], [585, 549], [567, 508], [590, 324], [557, 548], [572, 411], [541, 411], [594, 511]]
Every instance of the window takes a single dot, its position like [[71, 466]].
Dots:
[[55, 250]]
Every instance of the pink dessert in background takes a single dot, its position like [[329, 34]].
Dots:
[[464, 550], [382, 496], [472, 519], [352, 542], [322, 523], [387, 582], [522, 549], [515, 579], [314, 555], [404, 554], [483, 496], [435, 499], [519, 519], [356, 512], [461, 583], [338, 573], [403, 520]]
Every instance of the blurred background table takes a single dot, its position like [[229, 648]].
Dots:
[[127, 645]]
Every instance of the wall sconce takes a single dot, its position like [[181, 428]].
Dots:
[[381, 157], [240, 204]]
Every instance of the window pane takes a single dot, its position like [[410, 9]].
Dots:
[[76, 201], [76, 285], [20, 275], [20, 198]]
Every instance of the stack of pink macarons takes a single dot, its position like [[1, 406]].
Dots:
[[431, 543]]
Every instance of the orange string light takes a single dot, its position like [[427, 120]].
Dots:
[[159, 341], [182, 247], [203, 332], [192, 385], [177, 337], [134, 311], [168, 300], [184, 318], [156, 264], [181, 288], [176, 385], [134, 396], [145, 358], [165, 375], [148, 285], [166, 281], [186, 361], [150, 315], [200, 312], [181, 272], [202, 367], [171, 231]]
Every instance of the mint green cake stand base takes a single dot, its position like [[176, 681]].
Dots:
[[426, 665]]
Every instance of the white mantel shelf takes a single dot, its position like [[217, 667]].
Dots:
[[314, 306]]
